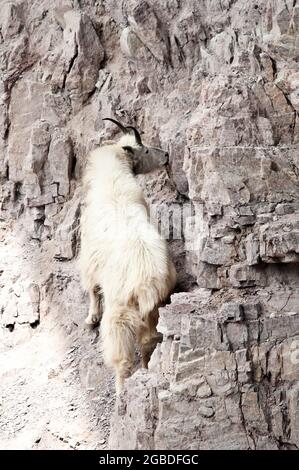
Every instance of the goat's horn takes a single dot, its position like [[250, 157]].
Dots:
[[137, 135], [123, 128]]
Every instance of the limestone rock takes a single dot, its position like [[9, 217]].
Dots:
[[215, 84]]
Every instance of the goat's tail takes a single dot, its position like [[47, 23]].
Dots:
[[119, 328]]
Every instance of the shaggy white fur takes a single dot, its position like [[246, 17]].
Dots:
[[124, 262]]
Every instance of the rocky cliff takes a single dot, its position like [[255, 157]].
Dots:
[[215, 82]]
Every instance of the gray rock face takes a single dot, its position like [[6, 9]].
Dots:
[[217, 84]]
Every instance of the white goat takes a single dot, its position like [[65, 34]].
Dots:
[[125, 264]]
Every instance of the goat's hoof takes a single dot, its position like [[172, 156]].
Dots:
[[159, 337], [90, 327], [92, 321]]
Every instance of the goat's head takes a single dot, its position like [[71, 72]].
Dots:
[[144, 159]]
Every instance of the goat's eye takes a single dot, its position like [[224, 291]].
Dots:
[[128, 149], [146, 151]]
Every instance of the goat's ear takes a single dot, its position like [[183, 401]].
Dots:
[[129, 149]]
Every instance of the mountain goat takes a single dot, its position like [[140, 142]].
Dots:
[[124, 262]]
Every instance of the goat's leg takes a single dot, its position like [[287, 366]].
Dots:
[[123, 370], [118, 333], [95, 307], [149, 337]]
